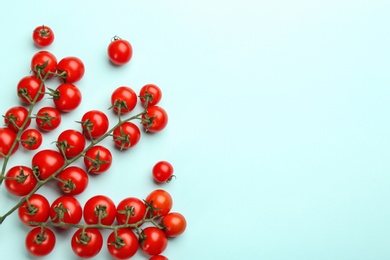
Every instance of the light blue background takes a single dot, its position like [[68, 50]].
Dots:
[[279, 119]]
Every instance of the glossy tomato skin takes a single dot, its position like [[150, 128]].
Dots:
[[87, 243], [15, 117], [174, 224], [119, 51], [154, 241], [48, 118], [67, 97], [37, 210], [125, 97], [43, 36], [162, 171], [158, 118], [31, 139], [72, 142], [130, 244], [161, 201], [47, 162], [20, 180], [126, 135], [153, 92], [44, 62], [98, 159], [68, 209], [96, 121], [136, 214], [40, 241], [158, 257], [72, 69], [29, 88], [99, 205], [76, 180], [7, 139]]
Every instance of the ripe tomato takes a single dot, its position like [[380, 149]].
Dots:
[[162, 172], [94, 124], [48, 118], [123, 246], [70, 69], [66, 208], [102, 206], [153, 241], [20, 180], [155, 119], [36, 210], [174, 224], [150, 95], [123, 99], [71, 143], [7, 140], [87, 243], [31, 139], [30, 88], [43, 63], [74, 180], [160, 202], [126, 135], [132, 209], [43, 36], [67, 97], [119, 51], [15, 117], [46, 163], [158, 257], [98, 159], [40, 241]]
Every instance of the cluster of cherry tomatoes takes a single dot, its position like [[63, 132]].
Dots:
[[128, 218]]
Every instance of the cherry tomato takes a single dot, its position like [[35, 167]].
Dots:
[[47, 162], [132, 209], [123, 99], [15, 117], [44, 63], [7, 139], [67, 97], [94, 124], [71, 143], [119, 51], [150, 95], [153, 241], [40, 241], [31, 139], [155, 119], [70, 69], [158, 257], [162, 171], [43, 36], [102, 206], [98, 159], [123, 246], [20, 180], [160, 202], [126, 135], [30, 88], [36, 209], [174, 224], [74, 180], [48, 118], [87, 243], [66, 208]]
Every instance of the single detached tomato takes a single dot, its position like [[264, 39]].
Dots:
[[99, 207], [71, 143], [30, 88], [70, 69], [73, 180], [31, 139], [44, 64], [94, 124], [124, 245], [67, 97], [123, 99], [7, 140], [160, 202], [119, 51], [126, 135], [162, 171], [87, 243], [67, 209], [153, 241], [150, 95], [40, 241], [46, 163], [20, 180], [97, 159], [155, 119], [131, 209], [174, 224], [36, 209], [43, 36], [48, 118], [158, 257], [16, 117]]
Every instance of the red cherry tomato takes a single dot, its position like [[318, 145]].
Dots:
[[132, 209], [30, 88], [102, 206], [48, 118], [126, 135], [46, 163], [44, 63], [158, 257], [43, 36], [67, 97], [124, 245], [97, 159], [74, 180], [31, 139], [15, 117], [123, 99], [7, 140], [66, 209], [40, 241], [71, 143], [94, 124], [35, 210], [70, 69], [153, 241], [119, 51], [20, 180], [174, 224], [162, 171], [150, 95], [87, 243], [155, 119], [160, 202]]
